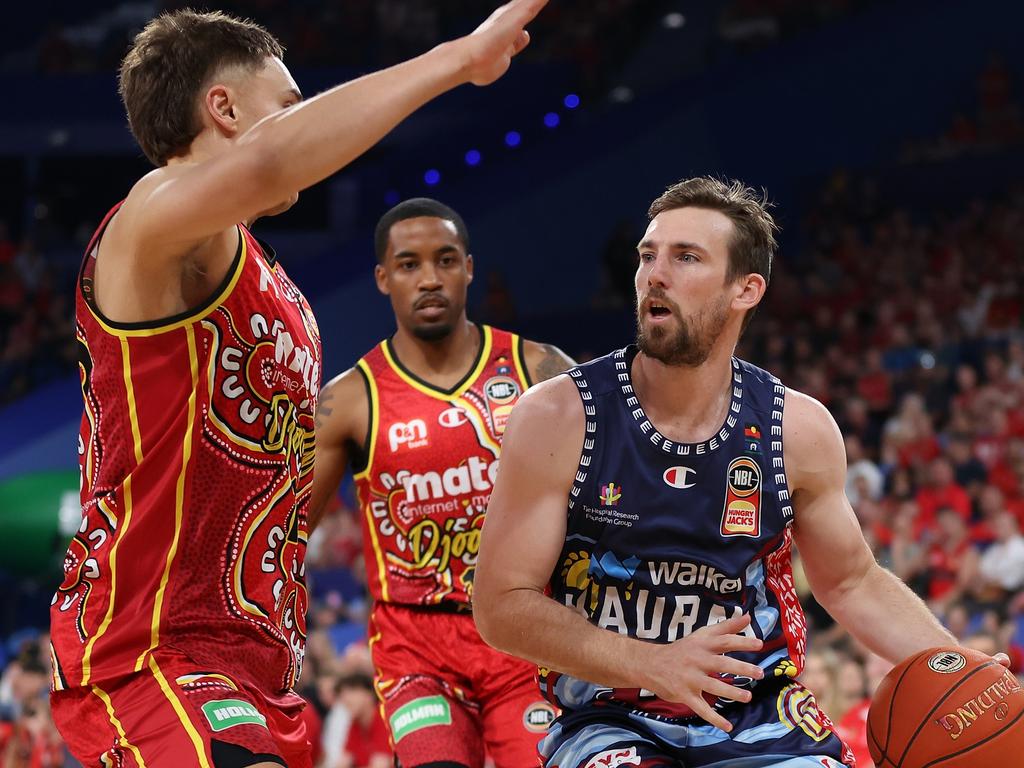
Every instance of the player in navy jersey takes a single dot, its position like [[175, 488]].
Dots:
[[655, 494]]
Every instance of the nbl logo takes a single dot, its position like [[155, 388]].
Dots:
[[947, 662]]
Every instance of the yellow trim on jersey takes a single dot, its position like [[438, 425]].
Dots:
[[517, 345], [117, 725], [125, 333], [483, 434], [179, 496], [133, 417], [193, 734], [55, 672], [107, 513], [482, 362], [186, 679], [371, 523]]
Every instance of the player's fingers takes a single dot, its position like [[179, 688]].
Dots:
[[526, 10], [723, 690], [706, 712], [1003, 659], [521, 41], [729, 666], [736, 643], [730, 626]]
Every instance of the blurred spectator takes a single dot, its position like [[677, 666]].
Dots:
[[941, 492], [1001, 566], [952, 560]]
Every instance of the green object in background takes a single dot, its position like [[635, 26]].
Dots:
[[39, 513]]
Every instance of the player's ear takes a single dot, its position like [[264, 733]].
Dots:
[[748, 292], [381, 276], [469, 267], [219, 106]]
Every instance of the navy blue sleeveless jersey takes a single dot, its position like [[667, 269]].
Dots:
[[663, 538]]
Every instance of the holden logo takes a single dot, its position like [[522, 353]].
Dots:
[[452, 417], [677, 477], [947, 662]]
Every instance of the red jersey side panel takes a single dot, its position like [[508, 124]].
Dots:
[[432, 462], [196, 451]]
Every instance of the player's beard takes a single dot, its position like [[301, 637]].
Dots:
[[433, 332], [689, 341]]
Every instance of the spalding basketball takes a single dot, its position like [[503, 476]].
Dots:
[[947, 708]]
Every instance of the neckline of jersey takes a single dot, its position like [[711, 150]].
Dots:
[[646, 427], [455, 391]]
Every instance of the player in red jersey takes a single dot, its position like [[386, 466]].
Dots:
[[178, 630], [420, 418]]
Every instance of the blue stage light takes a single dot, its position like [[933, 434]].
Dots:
[[432, 177], [551, 119], [512, 138], [473, 157], [571, 101]]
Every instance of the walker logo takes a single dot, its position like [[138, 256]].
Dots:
[[420, 713], [677, 477], [452, 418], [412, 434], [227, 713], [610, 494], [613, 758]]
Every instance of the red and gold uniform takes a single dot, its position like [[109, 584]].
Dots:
[[428, 474], [178, 631]]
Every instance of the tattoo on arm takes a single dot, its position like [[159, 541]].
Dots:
[[322, 409], [553, 363]]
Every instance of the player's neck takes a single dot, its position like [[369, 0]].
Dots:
[[686, 404], [443, 362]]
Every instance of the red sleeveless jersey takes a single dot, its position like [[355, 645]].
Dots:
[[431, 463], [196, 451]]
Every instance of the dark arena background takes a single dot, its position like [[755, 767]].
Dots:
[[890, 137]]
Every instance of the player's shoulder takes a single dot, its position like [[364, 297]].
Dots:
[[350, 384], [545, 361], [343, 404], [554, 402], [811, 436]]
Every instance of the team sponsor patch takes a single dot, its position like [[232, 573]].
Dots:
[[418, 714], [679, 477], [741, 515], [610, 494], [227, 713], [411, 434], [501, 393], [752, 438], [613, 757], [538, 716]]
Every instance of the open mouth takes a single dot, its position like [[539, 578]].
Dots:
[[657, 311]]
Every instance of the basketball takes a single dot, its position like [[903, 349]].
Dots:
[[947, 707]]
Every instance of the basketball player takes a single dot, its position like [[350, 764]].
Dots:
[[657, 493], [178, 630], [420, 418]]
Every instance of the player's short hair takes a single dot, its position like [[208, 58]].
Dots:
[[412, 209], [354, 680], [171, 60], [753, 245]]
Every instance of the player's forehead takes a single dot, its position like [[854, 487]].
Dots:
[[708, 229], [272, 76], [423, 233]]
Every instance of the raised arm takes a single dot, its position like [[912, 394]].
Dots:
[[545, 361], [342, 423], [869, 601], [522, 538], [303, 144]]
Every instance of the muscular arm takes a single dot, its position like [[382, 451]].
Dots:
[[342, 419], [297, 147], [521, 541], [869, 601], [545, 361]]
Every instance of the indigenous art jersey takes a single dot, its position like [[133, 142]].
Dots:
[[431, 463], [196, 451], [664, 538]]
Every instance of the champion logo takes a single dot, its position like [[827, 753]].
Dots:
[[678, 477], [452, 417]]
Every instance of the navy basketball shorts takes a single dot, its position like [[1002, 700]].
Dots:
[[780, 728]]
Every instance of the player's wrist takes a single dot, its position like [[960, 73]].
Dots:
[[452, 61]]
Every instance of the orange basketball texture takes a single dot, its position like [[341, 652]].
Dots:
[[947, 708]]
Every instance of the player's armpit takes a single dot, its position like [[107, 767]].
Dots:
[[525, 525], [545, 361], [342, 420]]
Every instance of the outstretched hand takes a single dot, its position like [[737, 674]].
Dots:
[[490, 47]]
